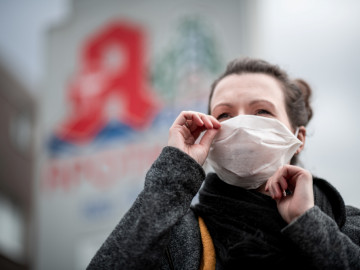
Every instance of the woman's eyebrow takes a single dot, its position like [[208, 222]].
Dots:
[[225, 104], [263, 101]]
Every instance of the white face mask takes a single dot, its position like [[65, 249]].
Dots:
[[249, 149]]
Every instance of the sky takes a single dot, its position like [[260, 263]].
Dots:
[[23, 26]]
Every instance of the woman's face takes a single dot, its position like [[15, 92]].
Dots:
[[249, 93]]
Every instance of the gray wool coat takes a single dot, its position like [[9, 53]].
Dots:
[[160, 231]]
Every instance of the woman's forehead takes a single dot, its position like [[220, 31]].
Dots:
[[248, 86]]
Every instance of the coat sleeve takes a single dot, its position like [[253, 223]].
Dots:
[[320, 239], [140, 238]]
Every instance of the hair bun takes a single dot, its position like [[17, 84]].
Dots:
[[306, 93]]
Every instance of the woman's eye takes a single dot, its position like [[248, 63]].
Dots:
[[260, 112], [223, 116]]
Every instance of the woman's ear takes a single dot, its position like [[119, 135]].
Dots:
[[301, 136]]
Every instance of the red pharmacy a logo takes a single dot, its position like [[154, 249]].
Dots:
[[110, 86]]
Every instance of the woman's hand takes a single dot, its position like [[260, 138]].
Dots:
[[186, 130], [300, 183]]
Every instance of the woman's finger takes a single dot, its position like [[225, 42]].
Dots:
[[207, 122], [197, 119], [196, 122], [216, 124], [208, 137], [271, 179], [278, 184], [275, 190], [185, 116], [283, 184]]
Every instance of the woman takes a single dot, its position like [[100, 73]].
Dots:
[[258, 209]]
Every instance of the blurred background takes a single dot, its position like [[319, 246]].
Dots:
[[89, 89]]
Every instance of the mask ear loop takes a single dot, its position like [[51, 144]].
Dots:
[[297, 132]]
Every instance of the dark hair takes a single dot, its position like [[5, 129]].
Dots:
[[297, 92]]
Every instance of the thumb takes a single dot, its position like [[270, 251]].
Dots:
[[208, 137]]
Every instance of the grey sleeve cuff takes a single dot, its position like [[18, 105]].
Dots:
[[307, 222], [175, 170], [320, 239]]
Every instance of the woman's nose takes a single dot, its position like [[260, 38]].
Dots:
[[241, 112]]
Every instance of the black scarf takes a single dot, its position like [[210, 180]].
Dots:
[[245, 225]]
